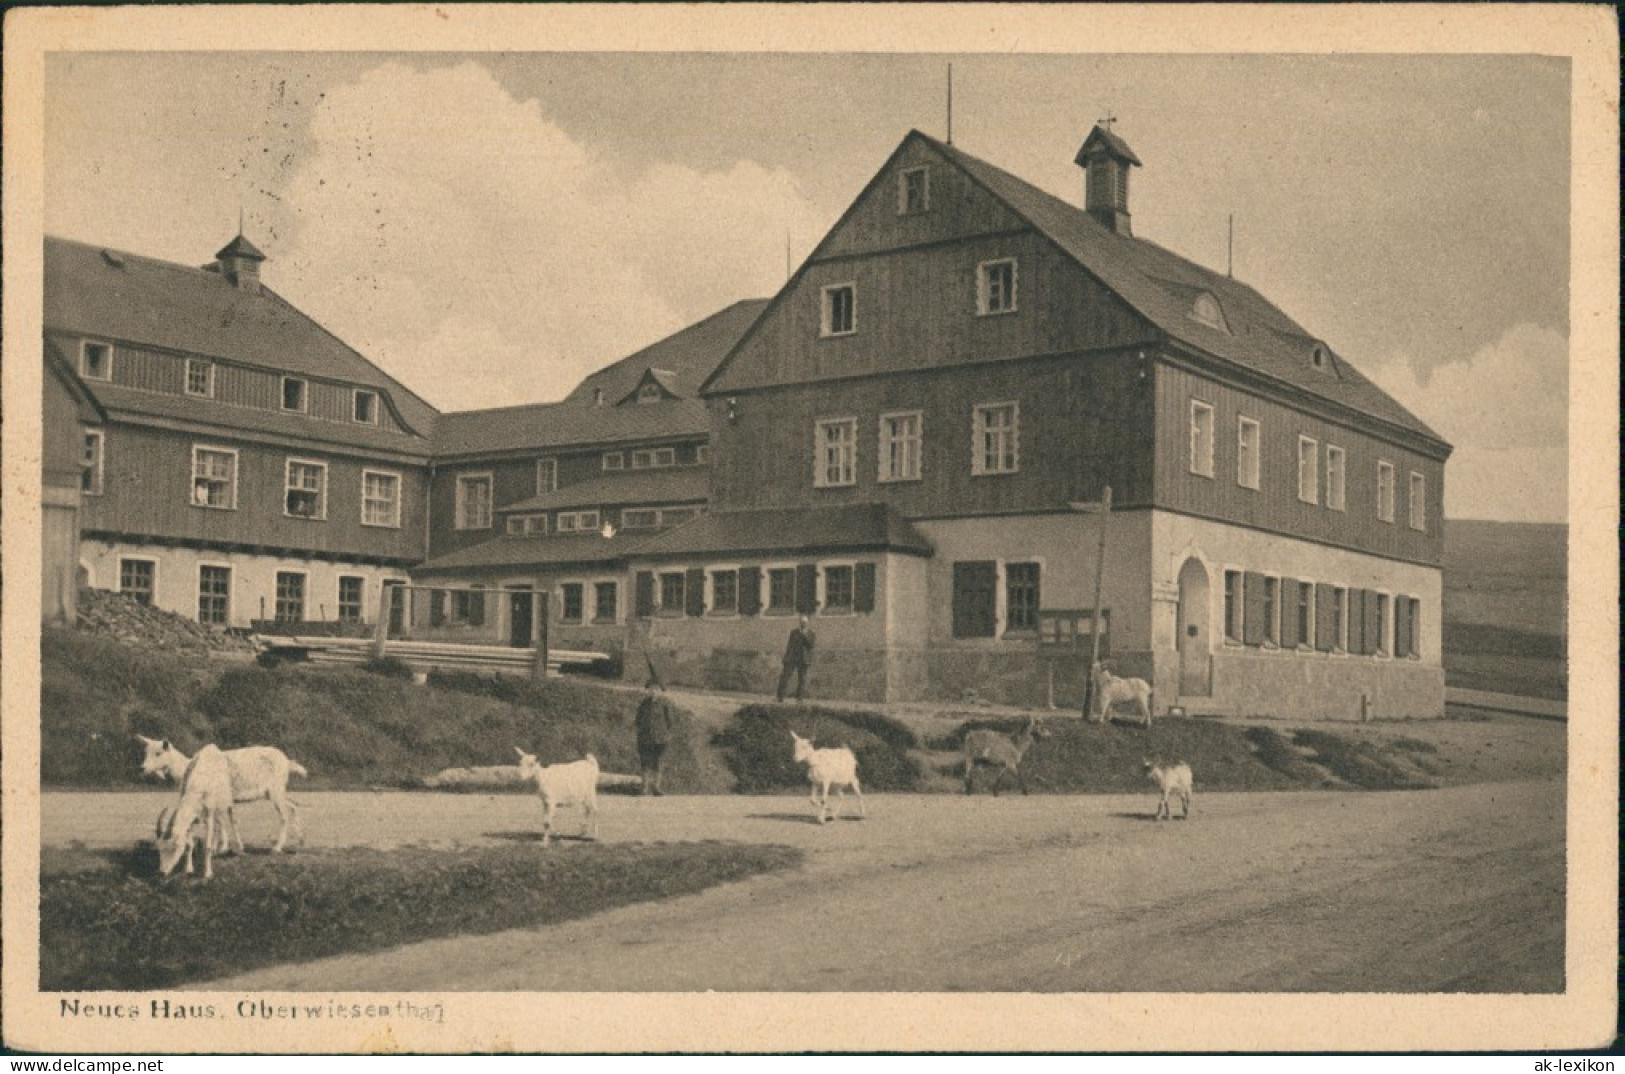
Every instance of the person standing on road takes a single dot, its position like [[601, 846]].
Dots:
[[797, 659], [655, 721]]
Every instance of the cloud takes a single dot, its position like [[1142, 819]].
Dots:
[[471, 246], [1506, 411]]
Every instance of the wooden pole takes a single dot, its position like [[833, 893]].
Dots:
[[1094, 625], [380, 634], [539, 611]]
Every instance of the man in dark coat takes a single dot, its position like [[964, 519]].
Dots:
[[798, 654], [655, 723]]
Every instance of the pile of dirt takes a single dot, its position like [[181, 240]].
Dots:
[[125, 619]]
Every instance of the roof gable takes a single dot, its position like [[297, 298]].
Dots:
[[684, 359]]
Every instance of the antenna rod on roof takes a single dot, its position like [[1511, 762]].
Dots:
[[1230, 251], [950, 104]]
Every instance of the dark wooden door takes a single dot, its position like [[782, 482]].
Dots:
[[521, 618]]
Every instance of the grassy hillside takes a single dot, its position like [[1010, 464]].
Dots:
[[1505, 605]]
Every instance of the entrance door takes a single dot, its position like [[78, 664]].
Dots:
[[521, 618], [1195, 651]]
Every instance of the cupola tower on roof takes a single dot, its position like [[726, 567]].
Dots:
[[240, 263], [1105, 159]]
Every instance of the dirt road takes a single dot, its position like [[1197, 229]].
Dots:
[[1460, 889]]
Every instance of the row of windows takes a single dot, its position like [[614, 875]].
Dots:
[[475, 504], [138, 578], [995, 445], [96, 363], [652, 458], [785, 589], [215, 485], [1270, 612], [995, 294], [573, 602], [1249, 440]]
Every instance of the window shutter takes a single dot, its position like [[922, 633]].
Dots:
[[1368, 622], [694, 591], [973, 599], [437, 607], [1413, 640], [1402, 626], [645, 594], [476, 608], [806, 588], [1252, 604], [1289, 613], [1325, 618], [750, 590], [863, 587]]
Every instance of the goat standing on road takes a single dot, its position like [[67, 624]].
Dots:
[[256, 772], [984, 747], [828, 768], [1172, 779], [575, 783]]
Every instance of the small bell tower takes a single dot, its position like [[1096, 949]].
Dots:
[[1105, 159]]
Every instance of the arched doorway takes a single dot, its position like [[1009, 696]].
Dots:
[[1195, 650]]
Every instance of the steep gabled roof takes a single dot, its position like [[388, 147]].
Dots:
[[677, 485], [592, 549], [687, 356], [861, 527], [92, 291]]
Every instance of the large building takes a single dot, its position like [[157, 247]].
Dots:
[[900, 444]]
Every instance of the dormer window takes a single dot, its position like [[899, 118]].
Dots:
[[650, 393], [1206, 309], [199, 377], [365, 408], [1321, 358], [913, 191], [294, 394], [96, 360]]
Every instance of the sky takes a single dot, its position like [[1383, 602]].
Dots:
[[491, 227]]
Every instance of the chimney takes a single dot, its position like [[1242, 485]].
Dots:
[[1105, 159], [240, 263], [598, 397]]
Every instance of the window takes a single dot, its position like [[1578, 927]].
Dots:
[[837, 454], [199, 377], [1020, 598], [380, 498], [1201, 438], [1418, 503], [839, 314], [725, 591], [576, 522], [351, 596], [1380, 642], [137, 578], [1308, 469], [474, 502], [364, 408], [614, 460], [90, 462], [1334, 477], [650, 393], [468, 606], [641, 518], [606, 602], [526, 525], [1272, 610], [996, 287], [1207, 310], [995, 439], [654, 458], [214, 595], [96, 360], [214, 478], [974, 596], [900, 447], [838, 589], [1233, 611], [305, 490], [293, 394], [673, 516], [913, 191], [1385, 491], [1407, 627], [571, 603], [781, 590], [672, 592], [547, 476], [1247, 435], [290, 597], [514, 526]]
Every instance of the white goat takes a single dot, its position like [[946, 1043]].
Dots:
[[575, 783], [828, 768], [1110, 690], [985, 747], [256, 772], [205, 799], [1172, 779]]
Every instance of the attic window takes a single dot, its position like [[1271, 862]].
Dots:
[[1207, 310], [96, 361], [366, 407], [913, 191], [650, 393], [293, 394], [1320, 358]]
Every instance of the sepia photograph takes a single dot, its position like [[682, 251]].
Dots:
[[838, 534]]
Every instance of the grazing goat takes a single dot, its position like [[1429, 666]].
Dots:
[[205, 799], [984, 747], [575, 783], [256, 772], [828, 768], [1109, 690], [1172, 779]]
